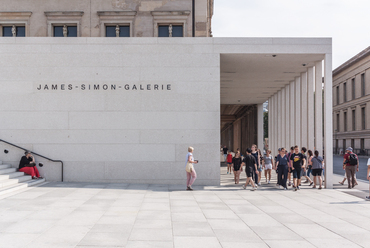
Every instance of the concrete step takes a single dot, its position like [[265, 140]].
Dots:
[[5, 166], [13, 181], [11, 175], [7, 171], [19, 186]]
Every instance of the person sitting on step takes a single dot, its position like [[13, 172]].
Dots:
[[28, 165]]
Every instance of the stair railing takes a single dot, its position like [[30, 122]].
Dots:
[[24, 149]]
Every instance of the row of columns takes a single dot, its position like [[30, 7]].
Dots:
[[296, 115]]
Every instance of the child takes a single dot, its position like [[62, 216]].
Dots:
[[229, 160]]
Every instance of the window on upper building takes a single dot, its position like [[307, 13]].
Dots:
[[353, 143], [354, 119], [170, 31], [345, 121], [65, 31], [344, 144], [117, 31], [338, 123], [362, 144], [337, 95], [363, 85], [14, 31], [344, 92], [363, 118], [353, 88]]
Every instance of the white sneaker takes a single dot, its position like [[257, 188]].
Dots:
[[253, 189], [280, 187], [243, 187], [268, 182], [259, 184]]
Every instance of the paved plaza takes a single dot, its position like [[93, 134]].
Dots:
[[127, 215]]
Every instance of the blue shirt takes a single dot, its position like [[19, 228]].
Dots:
[[187, 157], [282, 160]]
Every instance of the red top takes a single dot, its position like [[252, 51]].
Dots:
[[346, 157], [229, 158]]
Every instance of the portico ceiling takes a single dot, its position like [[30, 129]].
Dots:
[[253, 78]]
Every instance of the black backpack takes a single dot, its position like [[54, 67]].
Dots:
[[352, 159]]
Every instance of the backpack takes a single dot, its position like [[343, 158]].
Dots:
[[352, 159]]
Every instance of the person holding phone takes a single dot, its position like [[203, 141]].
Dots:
[[191, 175], [28, 165]]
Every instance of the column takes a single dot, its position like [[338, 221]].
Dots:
[[310, 109], [318, 107], [269, 122], [260, 127], [279, 118], [287, 112], [291, 117], [276, 146], [283, 119], [304, 109], [328, 121], [297, 113]]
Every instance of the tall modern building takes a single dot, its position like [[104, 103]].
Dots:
[[351, 104], [119, 89]]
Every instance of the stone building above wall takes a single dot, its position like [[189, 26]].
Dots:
[[100, 18]]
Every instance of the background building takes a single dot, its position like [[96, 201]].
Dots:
[[101, 18], [351, 104]]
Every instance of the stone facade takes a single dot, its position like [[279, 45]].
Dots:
[[351, 104], [92, 16]]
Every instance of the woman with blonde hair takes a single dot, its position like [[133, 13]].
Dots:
[[267, 164], [191, 175]]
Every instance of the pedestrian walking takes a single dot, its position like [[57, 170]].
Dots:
[[289, 165], [237, 168], [350, 165], [229, 160], [305, 167], [297, 161], [225, 152], [317, 167], [191, 175], [276, 168], [257, 158], [250, 167], [267, 163], [282, 165]]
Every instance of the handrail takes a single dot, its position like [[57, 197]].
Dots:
[[52, 160]]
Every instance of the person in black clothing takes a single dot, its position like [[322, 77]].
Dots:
[[297, 161], [237, 162], [282, 165], [250, 163], [28, 165], [225, 152]]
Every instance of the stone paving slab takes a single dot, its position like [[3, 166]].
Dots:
[[88, 215]]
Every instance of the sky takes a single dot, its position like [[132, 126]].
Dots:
[[347, 22]]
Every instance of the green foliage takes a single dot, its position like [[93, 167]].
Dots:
[[266, 124]]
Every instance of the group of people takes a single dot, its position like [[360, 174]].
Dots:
[[286, 164]]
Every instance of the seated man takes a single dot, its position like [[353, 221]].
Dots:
[[28, 165]]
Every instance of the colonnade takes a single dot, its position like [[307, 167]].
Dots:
[[298, 115]]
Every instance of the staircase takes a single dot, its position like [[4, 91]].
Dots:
[[12, 180]]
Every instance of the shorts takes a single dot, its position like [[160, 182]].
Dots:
[[316, 172], [297, 173], [259, 168], [229, 163], [268, 166], [248, 171]]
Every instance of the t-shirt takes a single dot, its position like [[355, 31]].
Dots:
[[225, 150], [305, 158], [229, 158], [297, 159], [317, 162], [255, 155], [267, 159], [24, 161], [282, 160], [187, 157], [249, 160], [368, 162], [346, 157]]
